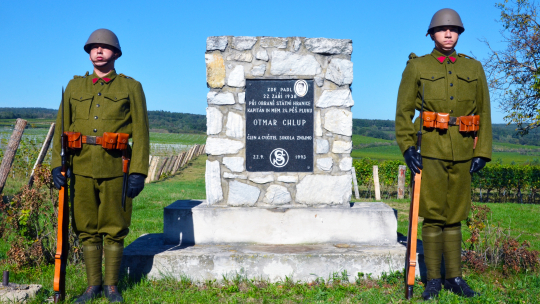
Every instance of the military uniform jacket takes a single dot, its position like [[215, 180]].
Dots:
[[93, 105], [451, 84]]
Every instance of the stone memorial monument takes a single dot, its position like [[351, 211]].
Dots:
[[278, 174]]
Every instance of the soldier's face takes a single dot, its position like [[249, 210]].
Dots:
[[445, 37], [102, 55]]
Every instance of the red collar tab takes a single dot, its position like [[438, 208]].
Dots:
[[441, 59], [453, 59], [94, 80]]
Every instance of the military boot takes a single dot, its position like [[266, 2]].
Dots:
[[112, 293], [460, 287], [92, 292], [433, 287]]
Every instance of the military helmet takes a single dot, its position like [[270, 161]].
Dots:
[[446, 17], [103, 36]]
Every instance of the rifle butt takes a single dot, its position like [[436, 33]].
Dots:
[[408, 292]]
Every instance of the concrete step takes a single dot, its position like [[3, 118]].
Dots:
[[195, 222], [149, 255]]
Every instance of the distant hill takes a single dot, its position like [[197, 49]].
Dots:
[[172, 122]]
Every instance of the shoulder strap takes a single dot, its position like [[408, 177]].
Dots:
[[466, 56], [124, 76]]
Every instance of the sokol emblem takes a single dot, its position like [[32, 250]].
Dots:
[[279, 157]]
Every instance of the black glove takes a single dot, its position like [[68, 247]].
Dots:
[[413, 160], [477, 164], [135, 184], [58, 179]]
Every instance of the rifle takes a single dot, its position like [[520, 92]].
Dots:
[[125, 169], [410, 256], [60, 258]]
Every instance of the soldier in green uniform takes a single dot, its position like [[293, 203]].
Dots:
[[103, 101], [453, 87]]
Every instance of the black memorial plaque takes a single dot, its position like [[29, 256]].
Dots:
[[279, 125]]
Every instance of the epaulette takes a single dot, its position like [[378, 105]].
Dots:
[[412, 56], [126, 77], [466, 56], [77, 76]]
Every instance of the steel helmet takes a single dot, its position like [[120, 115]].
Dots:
[[446, 17], [103, 36]]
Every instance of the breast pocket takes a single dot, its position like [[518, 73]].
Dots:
[[466, 90], [80, 104], [116, 106], [433, 86]]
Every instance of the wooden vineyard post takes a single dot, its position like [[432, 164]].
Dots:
[[12, 147], [162, 167], [401, 182], [152, 169], [376, 182], [178, 162], [42, 153], [355, 182]]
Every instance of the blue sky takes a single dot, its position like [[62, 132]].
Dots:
[[163, 43]]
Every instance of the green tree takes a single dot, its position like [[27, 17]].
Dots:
[[513, 73]]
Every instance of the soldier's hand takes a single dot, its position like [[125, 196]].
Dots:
[[477, 164], [59, 179], [413, 160], [135, 184]]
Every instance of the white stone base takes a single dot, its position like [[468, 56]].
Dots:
[[195, 222], [149, 256]]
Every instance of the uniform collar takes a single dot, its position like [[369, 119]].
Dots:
[[108, 78], [440, 57]]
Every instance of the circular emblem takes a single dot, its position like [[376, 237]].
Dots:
[[279, 157], [300, 88]]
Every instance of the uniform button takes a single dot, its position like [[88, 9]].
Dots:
[[449, 72], [95, 130], [97, 106], [95, 117], [451, 84], [98, 94], [451, 111], [451, 97], [448, 61], [102, 83], [432, 77]]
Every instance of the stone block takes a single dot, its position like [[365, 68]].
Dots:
[[215, 98], [324, 190], [325, 164], [340, 146], [215, 70], [319, 81], [258, 70], [212, 178], [338, 121], [19, 293], [235, 125], [243, 43], [340, 71], [277, 195], [214, 121], [346, 164], [236, 77], [288, 178], [261, 177], [290, 64], [245, 56], [216, 43], [235, 164], [318, 124], [335, 98], [220, 146], [329, 46], [242, 98], [274, 42], [262, 54], [237, 176], [241, 194], [322, 146], [297, 43]]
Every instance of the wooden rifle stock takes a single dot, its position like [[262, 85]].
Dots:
[[62, 240], [410, 257]]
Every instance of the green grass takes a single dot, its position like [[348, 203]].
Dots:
[[363, 140], [177, 138], [379, 153]]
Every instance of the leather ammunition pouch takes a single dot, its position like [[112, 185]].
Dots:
[[441, 121], [430, 119], [74, 140], [109, 140]]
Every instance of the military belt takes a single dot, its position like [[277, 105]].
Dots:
[[441, 121], [109, 140], [92, 140]]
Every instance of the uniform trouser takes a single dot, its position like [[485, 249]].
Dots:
[[445, 201], [98, 218]]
